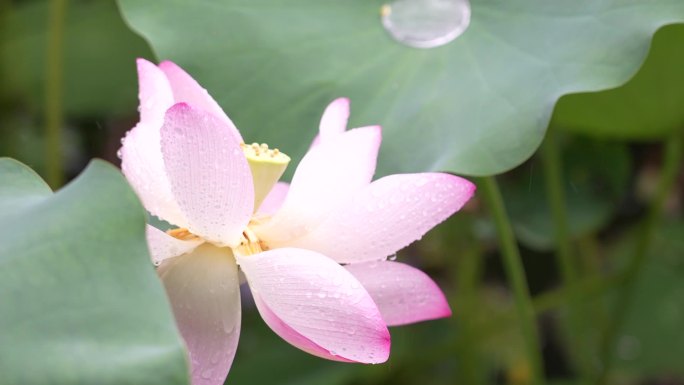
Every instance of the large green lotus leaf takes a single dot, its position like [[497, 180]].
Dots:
[[19, 187], [99, 54], [593, 190], [79, 300], [479, 105], [649, 106]]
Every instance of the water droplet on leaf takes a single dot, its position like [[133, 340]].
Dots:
[[426, 23]]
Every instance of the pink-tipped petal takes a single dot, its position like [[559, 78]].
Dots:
[[385, 217], [326, 176], [187, 90], [334, 119], [273, 200], [204, 291], [154, 93], [318, 300], [209, 174], [292, 336], [163, 246], [403, 293], [141, 159]]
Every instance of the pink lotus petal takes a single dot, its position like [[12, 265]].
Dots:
[[273, 200], [292, 336], [187, 90], [320, 301], [209, 174], [204, 291], [385, 217], [141, 158], [154, 93], [334, 120], [403, 293], [163, 246], [326, 176], [143, 166]]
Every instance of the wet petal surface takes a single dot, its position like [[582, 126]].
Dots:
[[203, 287], [387, 216], [403, 293], [209, 174], [319, 300]]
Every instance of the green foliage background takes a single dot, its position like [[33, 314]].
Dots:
[[79, 300]]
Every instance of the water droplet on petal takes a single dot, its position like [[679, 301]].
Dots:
[[206, 374], [426, 23]]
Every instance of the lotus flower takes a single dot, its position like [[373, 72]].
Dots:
[[314, 253]]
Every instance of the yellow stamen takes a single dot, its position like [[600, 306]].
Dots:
[[267, 166], [182, 234], [249, 244]]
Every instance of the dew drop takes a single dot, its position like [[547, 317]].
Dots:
[[206, 374], [426, 23], [228, 328]]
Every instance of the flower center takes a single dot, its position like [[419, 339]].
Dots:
[[249, 244], [267, 166], [183, 234]]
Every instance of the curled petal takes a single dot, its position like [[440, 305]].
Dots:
[[209, 174], [187, 90], [315, 304], [326, 176], [203, 288], [403, 293], [163, 246], [274, 199], [290, 335], [385, 217]]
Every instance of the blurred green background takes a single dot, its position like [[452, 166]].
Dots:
[[605, 156]]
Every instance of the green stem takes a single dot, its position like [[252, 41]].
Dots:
[[53, 92], [516, 275], [672, 163], [468, 271], [551, 160], [592, 269], [553, 173], [543, 303]]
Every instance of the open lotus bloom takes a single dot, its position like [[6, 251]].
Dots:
[[314, 253]]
